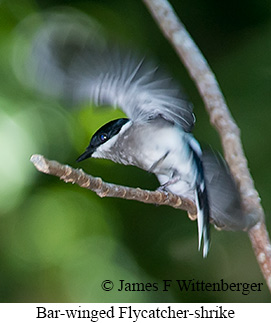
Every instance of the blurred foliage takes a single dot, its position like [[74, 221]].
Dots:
[[58, 242]]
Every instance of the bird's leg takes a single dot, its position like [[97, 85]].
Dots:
[[168, 183], [174, 179]]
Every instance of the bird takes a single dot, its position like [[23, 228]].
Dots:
[[156, 134]]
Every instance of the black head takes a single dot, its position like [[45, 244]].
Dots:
[[102, 135]]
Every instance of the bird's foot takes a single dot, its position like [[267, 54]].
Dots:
[[172, 181], [163, 188]]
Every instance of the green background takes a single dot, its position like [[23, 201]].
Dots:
[[58, 242]]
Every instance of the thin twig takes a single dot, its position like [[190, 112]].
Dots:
[[103, 189], [222, 120]]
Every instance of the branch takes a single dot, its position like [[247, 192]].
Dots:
[[221, 119], [103, 189]]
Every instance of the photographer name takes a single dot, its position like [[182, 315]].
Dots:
[[190, 285]]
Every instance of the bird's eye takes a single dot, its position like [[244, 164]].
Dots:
[[103, 136]]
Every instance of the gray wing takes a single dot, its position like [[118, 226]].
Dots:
[[224, 197], [69, 61]]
